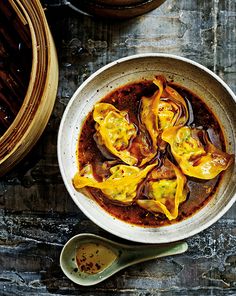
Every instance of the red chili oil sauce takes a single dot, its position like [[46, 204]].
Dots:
[[128, 98]]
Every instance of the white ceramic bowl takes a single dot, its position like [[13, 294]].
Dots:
[[208, 86]]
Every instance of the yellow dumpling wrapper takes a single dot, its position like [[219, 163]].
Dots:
[[148, 116], [194, 158], [166, 115], [114, 131], [165, 195], [121, 186], [159, 113], [180, 110]]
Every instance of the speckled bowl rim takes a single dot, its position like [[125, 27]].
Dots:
[[185, 235]]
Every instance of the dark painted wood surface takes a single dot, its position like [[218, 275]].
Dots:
[[37, 215]]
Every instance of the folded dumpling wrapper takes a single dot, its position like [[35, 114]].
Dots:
[[164, 109], [120, 187], [195, 158], [114, 131], [165, 189]]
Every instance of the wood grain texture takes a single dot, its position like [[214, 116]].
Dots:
[[37, 215]]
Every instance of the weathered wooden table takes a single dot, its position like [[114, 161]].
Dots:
[[37, 214]]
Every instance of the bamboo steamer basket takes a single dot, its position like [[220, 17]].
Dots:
[[40, 96]]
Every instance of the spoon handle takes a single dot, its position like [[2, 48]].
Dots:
[[143, 253]]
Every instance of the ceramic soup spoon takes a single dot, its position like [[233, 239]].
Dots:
[[88, 259]]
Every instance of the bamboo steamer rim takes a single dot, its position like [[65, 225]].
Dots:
[[39, 100]]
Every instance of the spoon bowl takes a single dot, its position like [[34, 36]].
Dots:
[[88, 259]]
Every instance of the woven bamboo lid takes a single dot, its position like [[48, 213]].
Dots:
[[40, 96]]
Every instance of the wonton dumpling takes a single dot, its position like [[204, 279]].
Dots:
[[179, 111], [196, 158], [149, 112], [114, 131], [165, 189], [121, 186], [164, 109]]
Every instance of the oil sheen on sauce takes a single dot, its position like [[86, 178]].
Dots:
[[92, 258], [128, 98]]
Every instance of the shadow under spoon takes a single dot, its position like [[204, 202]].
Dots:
[[88, 259]]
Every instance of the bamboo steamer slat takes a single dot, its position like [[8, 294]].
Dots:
[[39, 100]]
